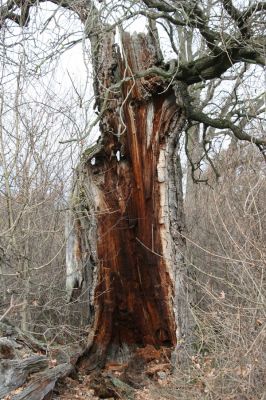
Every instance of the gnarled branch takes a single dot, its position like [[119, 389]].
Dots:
[[223, 123]]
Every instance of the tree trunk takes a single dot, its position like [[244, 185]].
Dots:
[[127, 205]]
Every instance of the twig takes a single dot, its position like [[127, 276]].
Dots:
[[10, 308]]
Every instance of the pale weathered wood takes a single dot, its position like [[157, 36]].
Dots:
[[8, 348], [9, 330], [17, 360], [19, 363], [41, 385], [13, 373]]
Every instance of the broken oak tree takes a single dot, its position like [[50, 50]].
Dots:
[[126, 248]]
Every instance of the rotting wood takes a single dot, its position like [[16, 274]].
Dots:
[[41, 385], [133, 214], [25, 374], [17, 360], [9, 330], [13, 373]]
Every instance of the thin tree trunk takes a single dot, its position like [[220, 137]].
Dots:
[[128, 208]]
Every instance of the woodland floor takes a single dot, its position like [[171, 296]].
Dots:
[[148, 375], [145, 374], [147, 371]]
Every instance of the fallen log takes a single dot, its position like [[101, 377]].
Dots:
[[42, 384], [25, 374], [13, 373], [9, 330]]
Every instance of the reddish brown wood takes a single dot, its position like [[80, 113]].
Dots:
[[134, 294]]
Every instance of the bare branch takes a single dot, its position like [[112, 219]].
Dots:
[[222, 123]]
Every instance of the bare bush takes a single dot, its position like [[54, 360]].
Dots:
[[227, 255]]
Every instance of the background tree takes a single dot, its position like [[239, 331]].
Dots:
[[34, 174]]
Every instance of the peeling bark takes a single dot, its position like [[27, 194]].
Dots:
[[129, 213]]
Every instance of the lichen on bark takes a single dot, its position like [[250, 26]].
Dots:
[[138, 296]]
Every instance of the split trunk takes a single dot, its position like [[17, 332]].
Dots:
[[126, 249]]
